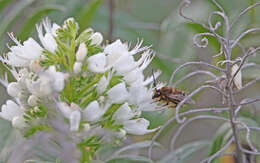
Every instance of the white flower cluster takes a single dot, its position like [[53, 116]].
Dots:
[[92, 86]]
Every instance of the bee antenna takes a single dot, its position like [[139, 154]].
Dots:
[[154, 81]]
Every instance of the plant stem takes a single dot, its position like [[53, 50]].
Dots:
[[230, 97]]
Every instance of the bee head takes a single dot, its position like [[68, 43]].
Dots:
[[156, 94]]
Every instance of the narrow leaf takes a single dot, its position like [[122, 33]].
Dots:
[[87, 14], [12, 16]]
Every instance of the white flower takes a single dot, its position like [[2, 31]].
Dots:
[[49, 81], [93, 112], [74, 118], [97, 63], [10, 110], [103, 83], [57, 78], [121, 133], [134, 76], [22, 55], [124, 113], [71, 112], [13, 89], [47, 39], [82, 52], [65, 109], [18, 122], [77, 67], [118, 94], [238, 77], [124, 64], [33, 100], [141, 97], [96, 38], [115, 51], [138, 126]]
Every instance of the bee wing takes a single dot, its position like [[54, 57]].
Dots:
[[178, 98]]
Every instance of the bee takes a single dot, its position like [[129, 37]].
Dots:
[[168, 95]]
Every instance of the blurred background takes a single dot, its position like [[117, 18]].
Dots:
[[158, 23]]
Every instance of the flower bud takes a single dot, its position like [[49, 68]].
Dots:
[[74, 120], [86, 127], [77, 67], [96, 38], [121, 133], [13, 89], [81, 53], [32, 100]]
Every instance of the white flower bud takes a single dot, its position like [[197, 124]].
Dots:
[[18, 122], [75, 120], [86, 127], [82, 52], [32, 100], [10, 110], [36, 109], [77, 67], [13, 89], [121, 133], [96, 38]]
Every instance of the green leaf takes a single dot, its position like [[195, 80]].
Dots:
[[37, 15], [183, 153], [14, 15], [34, 129], [87, 14]]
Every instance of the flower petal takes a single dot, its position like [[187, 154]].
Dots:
[[97, 63], [138, 126], [123, 113], [93, 111], [118, 94]]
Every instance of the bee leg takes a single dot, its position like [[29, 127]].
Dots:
[[158, 100], [162, 107]]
